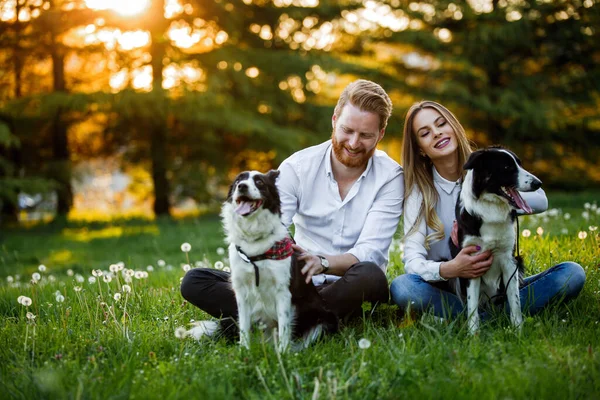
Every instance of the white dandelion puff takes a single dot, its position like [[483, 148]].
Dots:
[[20, 299], [593, 228], [26, 301], [220, 251], [70, 272], [107, 278], [36, 276], [79, 278], [186, 247], [145, 274], [42, 268], [161, 263], [120, 265], [364, 343], [219, 265], [567, 216], [149, 268], [540, 231], [582, 235], [585, 215], [30, 316], [587, 206], [60, 298], [113, 268], [91, 280], [564, 231], [117, 296], [180, 333], [129, 272], [77, 288], [126, 288], [138, 275], [226, 269], [10, 279], [526, 233], [199, 264], [186, 267]]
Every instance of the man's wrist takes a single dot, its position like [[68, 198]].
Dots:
[[443, 271], [324, 263]]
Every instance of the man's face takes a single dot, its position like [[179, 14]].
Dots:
[[355, 136]]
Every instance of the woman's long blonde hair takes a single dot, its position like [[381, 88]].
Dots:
[[418, 170]]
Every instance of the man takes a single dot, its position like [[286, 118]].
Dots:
[[345, 200]]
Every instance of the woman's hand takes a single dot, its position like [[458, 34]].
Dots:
[[466, 265], [313, 263]]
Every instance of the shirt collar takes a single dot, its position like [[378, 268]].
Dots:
[[328, 155], [446, 185]]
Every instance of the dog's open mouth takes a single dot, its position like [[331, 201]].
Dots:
[[515, 199], [246, 205]]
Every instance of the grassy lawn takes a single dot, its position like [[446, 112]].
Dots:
[[83, 343]]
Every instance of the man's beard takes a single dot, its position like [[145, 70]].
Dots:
[[350, 162]]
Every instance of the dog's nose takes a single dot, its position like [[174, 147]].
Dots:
[[242, 187], [536, 184]]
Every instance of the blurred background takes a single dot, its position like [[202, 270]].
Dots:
[[148, 107]]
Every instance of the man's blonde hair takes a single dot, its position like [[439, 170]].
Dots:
[[367, 96], [418, 172]]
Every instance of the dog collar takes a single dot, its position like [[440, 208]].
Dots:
[[279, 251]]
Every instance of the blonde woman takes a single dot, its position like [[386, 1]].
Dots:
[[435, 148]]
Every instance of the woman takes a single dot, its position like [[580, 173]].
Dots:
[[434, 150]]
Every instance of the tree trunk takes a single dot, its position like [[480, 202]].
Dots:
[[60, 166], [158, 131]]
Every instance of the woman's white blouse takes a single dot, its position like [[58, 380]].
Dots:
[[426, 263]]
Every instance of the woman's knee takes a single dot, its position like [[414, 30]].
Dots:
[[404, 288], [575, 277]]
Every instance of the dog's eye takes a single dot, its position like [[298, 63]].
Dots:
[[259, 183]]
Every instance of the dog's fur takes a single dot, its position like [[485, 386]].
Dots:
[[252, 221], [485, 213]]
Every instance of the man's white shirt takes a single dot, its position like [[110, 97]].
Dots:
[[362, 224]]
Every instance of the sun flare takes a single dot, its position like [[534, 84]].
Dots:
[[123, 7]]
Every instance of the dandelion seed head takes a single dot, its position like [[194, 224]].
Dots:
[[540, 231], [70, 272], [199, 264], [526, 233], [587, 206], [26, 301], [364, 343], [219, 265], [30, 316], [92, 279], [564, 231], [127, 279], [60, 298], [129, 272], [126, 288], [145, 274], [186, 247], [150, 268], [107, 278], [117, 296], [36, 276], [138, 275], [585, 215], [226, 269], [593, 228], [180, 332], [77, 288], [220, 251], [113, 268], [20, 299], [161, 263], [582, 235], [79, 278], [186, 267], [567, 216], [10, 279], [42, 268]]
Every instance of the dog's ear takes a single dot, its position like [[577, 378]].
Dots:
[[272, 175], [473, 159]]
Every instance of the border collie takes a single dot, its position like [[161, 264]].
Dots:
[[266, 276], [485, 213]]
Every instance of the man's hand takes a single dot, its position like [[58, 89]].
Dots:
[[466, 265], [312, 263]]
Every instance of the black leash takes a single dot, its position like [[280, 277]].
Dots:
[[516, 255], [247, 259]]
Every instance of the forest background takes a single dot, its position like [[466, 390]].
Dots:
[[149, 107]]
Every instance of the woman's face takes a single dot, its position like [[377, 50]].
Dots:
[[434, 135]]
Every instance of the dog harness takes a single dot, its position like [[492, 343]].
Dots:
[[280, 251]]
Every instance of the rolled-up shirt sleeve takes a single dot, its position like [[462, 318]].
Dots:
[[288, 185], [381, 223], [415, 254]]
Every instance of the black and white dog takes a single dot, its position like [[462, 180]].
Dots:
[[265, 274], [485, 213]]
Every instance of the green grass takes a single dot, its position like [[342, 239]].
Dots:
[[81, 348]]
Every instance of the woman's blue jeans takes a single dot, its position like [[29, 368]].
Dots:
[[559, 283]]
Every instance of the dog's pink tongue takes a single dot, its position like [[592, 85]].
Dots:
[[522, 204], [245, 207]]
